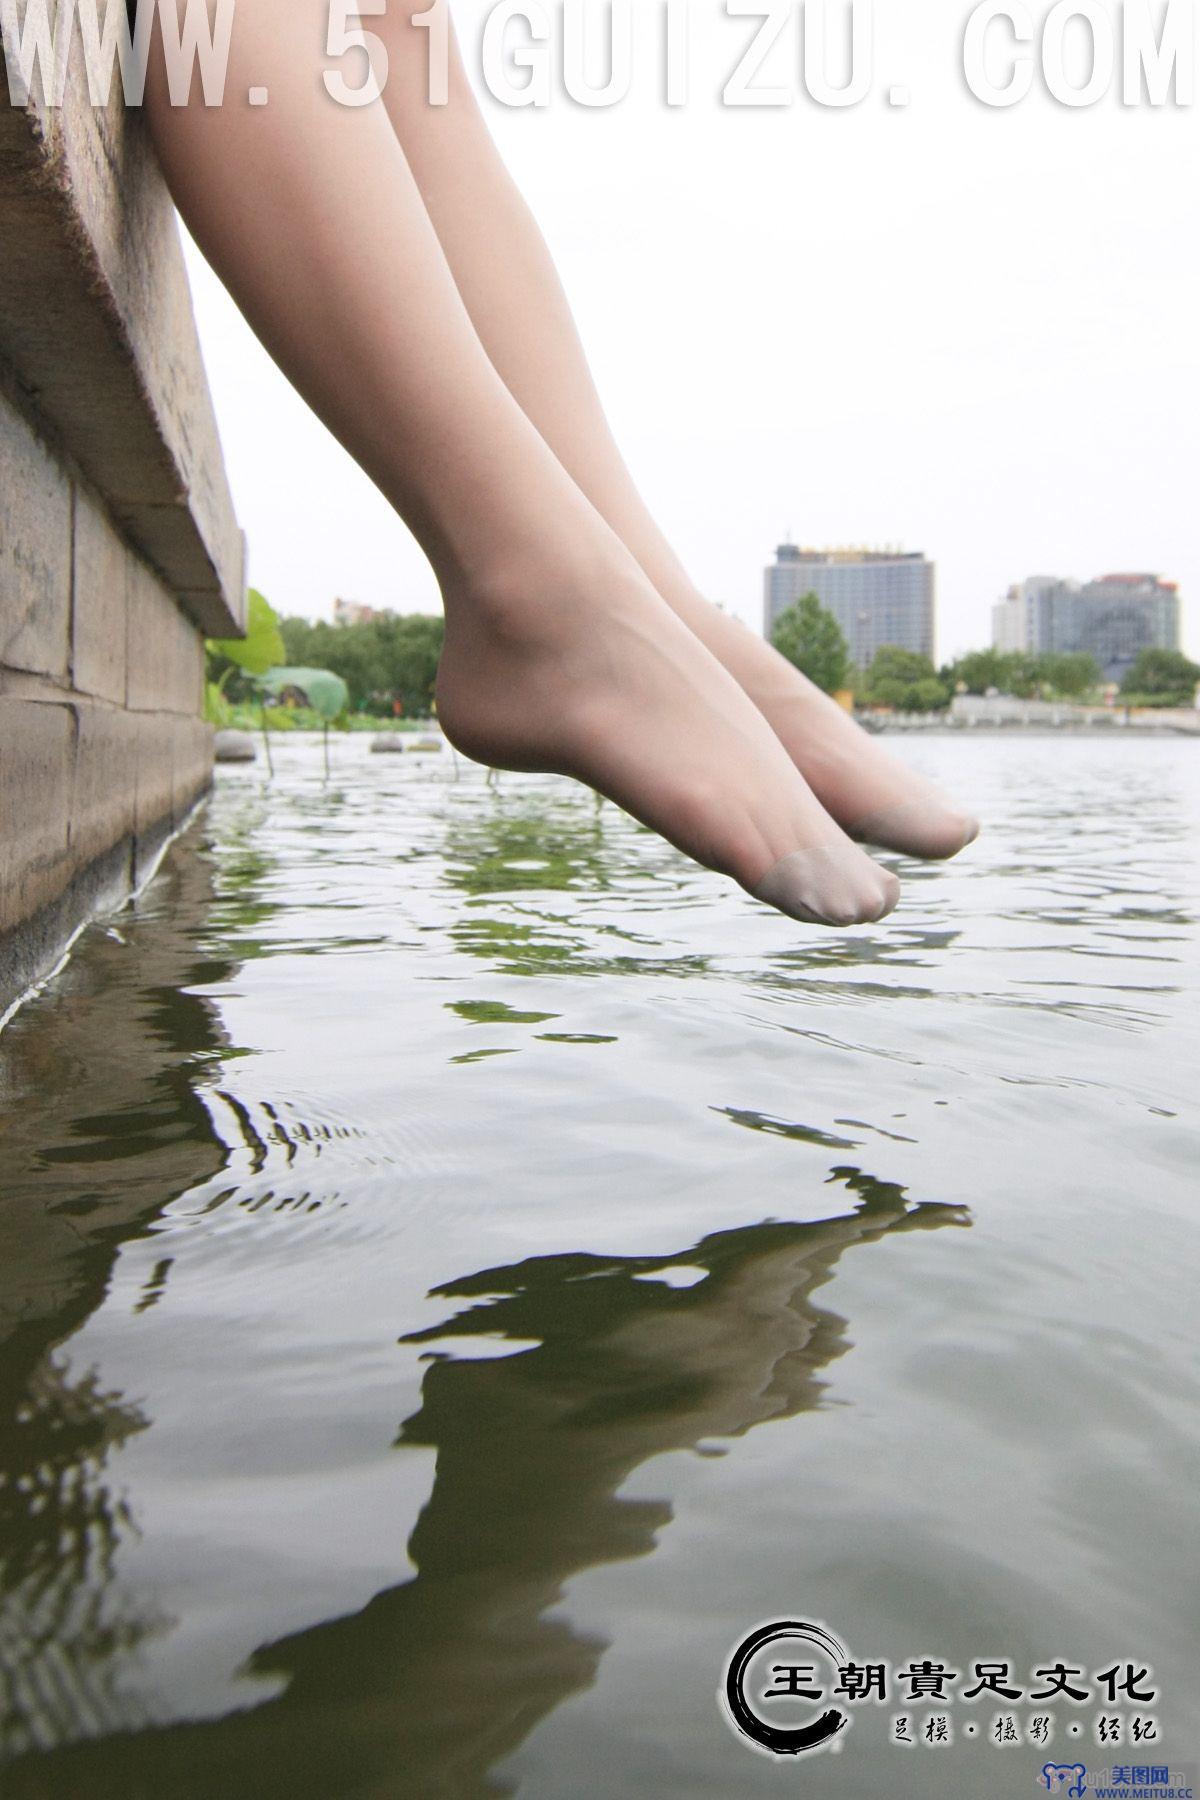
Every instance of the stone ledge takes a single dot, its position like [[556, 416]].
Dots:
[[91, 260], [90, 795]]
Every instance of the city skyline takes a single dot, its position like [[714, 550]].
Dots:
[[1111, 618], [888, 596]]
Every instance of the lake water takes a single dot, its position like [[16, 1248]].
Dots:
[[464, 1268]]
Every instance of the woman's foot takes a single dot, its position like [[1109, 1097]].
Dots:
[[577, 666], [873, 796]]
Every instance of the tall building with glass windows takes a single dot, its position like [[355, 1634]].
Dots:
[[878, 597], [1111, 618]]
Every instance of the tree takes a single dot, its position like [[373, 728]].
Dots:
[[1166, 674], [904, 680], [383, 661], [891, 663], [980, 670], [926, 696], [811, 639], [1069, 673], [1022, 675], [411, 649], [887, 691]]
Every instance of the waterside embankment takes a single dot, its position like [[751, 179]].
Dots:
[[119, 549]]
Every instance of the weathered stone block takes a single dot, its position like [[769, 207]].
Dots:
[[99, 603], [37, 755], [164, 659], [92, 259], [105, 778], [192, 765], [119, 549], [35, 551], [155, 785]]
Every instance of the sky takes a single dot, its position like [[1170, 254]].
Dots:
[[954, 328]]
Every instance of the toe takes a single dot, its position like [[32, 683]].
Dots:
[[920, 829], [833, 885], [890, 896]]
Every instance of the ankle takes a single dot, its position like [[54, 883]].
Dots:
[[534, 591]]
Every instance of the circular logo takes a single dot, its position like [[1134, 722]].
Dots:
[[796, 1679]]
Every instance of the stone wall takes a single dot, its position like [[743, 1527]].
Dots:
[[1062, 715], [119, 550]]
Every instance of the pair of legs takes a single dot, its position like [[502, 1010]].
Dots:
[[387, 262]]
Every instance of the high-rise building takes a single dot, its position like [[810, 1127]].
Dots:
[[1011, 617], [1010, 622], [878, 597], [1111, 618]]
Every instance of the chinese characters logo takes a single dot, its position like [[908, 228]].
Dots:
[[792, 1688], [791, 1680]]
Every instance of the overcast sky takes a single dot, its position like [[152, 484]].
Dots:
[[966, 331]]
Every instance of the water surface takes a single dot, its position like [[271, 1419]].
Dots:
[[464, 1267]]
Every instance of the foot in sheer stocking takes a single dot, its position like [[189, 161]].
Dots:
[[586, 672], [875, 798], [507, 281], [559, 652]]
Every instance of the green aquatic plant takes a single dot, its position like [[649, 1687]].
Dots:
[[323, 691], [260, 649], [320, 689], [250, 657], [258, 661]]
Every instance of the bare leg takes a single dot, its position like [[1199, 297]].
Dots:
[[507, 279], [559, 654]]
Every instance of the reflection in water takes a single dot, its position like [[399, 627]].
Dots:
[[124, 1061], [515, 846], [549, 844], [62, 1630], [610, 1362], [247, 1353], [103, 1121]]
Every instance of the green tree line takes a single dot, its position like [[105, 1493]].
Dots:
[[811, 639], [385, 661]]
